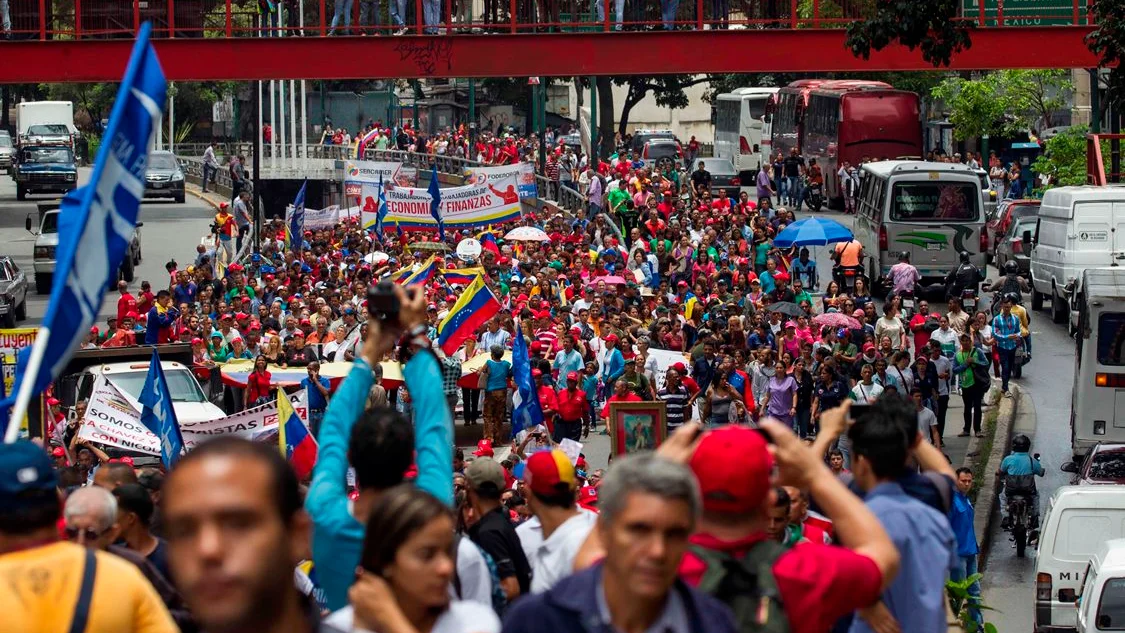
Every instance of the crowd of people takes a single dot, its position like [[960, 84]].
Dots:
[[768, 496]]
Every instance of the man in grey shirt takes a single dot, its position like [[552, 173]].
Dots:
[[944, 374], [927, 421], [242, 218]]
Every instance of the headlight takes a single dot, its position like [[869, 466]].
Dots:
[[71, 177], [178, 176], [44, 252]]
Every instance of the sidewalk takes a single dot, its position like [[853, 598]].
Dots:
[[210, 198]]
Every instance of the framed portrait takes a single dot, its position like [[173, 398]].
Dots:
[[637, 426]]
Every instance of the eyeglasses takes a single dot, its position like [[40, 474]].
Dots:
[[90, 533]]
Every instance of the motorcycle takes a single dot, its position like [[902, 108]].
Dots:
[[1019, 516], [969, 300], [814, 196], [845, 277], [907, 305]]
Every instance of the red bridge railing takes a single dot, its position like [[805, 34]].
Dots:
[[101, 19], [1105, 159]]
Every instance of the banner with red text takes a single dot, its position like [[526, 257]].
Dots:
[[461, 207], [369, 172], [521, 175]]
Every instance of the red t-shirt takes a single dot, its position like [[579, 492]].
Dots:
[[125, 304], [572, 406], [819, 584], [629, 397]]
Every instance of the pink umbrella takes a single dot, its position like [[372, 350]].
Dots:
[[610, 280], [836, 320]]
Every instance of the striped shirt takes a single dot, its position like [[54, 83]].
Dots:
[[1007, 330], [675, 401]]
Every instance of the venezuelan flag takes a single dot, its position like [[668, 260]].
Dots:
[[462, 276], [488, 242], [473, 309], [690, 306], [423, 274], [293, 438]]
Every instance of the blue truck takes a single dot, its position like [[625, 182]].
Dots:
[[44, 168]]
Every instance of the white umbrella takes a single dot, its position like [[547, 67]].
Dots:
[[376, 258], [527, 234]]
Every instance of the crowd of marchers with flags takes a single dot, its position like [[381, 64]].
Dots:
[[759, 504]]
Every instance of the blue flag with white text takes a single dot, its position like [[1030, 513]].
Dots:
[[158, 414], [435, 203], [97, 221], [526, 411], [297, 220], [381, 211]]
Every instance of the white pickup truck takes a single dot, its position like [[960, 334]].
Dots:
[[47, 240]]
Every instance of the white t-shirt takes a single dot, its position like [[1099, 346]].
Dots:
[[472, 571], [460, 617], [866, 393], [553, 559]]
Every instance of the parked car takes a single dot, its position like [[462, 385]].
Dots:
[[7, 151], [13, 293], [724, 175], [660, 153], [1007, 211], [1011, 247], [640, 137], [164, 177], [1104, 464], [47, 240]]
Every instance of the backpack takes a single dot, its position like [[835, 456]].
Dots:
[[499, 598], [747, 586]]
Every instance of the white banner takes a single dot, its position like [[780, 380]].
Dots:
[[460, 207], [520, 175], [112, 421], [360, 172], [664, 359], [316, 219]]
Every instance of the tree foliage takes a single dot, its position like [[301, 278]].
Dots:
[[1004, 102], [930, 26], [1108, 42], [1063, 161]]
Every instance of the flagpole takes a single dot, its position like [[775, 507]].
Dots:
[[27, 385]]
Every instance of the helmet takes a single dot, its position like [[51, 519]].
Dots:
[[964, 257], [1013, 297], [1011, 268], [1021, 443]]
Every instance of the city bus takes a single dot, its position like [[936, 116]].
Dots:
[[741, 128], [837, 121]]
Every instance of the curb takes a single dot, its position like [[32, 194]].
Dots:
[[988, 494], [204, 198]]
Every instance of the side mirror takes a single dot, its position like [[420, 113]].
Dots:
[[1069, 467], [27, 224], [1026, 238], [140, 224]]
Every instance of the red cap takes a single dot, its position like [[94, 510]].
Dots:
[[94, 330], [869, 347], [858, 314], [484, 449], [51, 402], [535, 373], [223, 205], [536, 346], [58, 452], [611, 338], [242, 315], [546, 314], [781, 277], [549, 473], [733, 466], [680, 367], [131, 315], [681, 284], [572, 375], [196, 341], [305, 322], [588, 498]]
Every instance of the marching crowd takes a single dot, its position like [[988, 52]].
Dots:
[[772, 505]]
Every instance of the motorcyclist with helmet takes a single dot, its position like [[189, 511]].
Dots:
[[965, 277], [1017, 472], [1010, 284]]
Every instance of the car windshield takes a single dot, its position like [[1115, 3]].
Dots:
[[181, 384], [48, 128], [5, 141], [1111, 606], [662, 150], [935, 202], [718, 167], [59, 155], [50, 223], [1108, 465], [1111, 328], [4, 275], [1024, 210], [162, 161]]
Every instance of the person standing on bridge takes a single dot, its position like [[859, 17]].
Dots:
[[242, 218], [210, 166]]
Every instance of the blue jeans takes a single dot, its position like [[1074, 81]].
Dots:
[[618, 11], [967, 566], [316, 416], [1007, 361], [343, 8], [804, 422], [369, 13], [398, 12], [794, 191], [431, 9], [668, 10], [720, 9]]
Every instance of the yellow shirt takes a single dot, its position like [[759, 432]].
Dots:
[[41, 588], [1021, 314]]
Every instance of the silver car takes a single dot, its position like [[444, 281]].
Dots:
[[7, 151]]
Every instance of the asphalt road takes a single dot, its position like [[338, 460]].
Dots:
[[170, 231]]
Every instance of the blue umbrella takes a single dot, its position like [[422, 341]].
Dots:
[[812, 231]]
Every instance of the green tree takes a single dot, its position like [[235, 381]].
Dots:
[[1063, 161], [1004, 102], [1108, 42], [930, 26]]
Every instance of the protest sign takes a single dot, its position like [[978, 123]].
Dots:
[[665, 359], [12, 340], [360, 172], [327, 218], [461, 207], [520, 175], [256, 423]]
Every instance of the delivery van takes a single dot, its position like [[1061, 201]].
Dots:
[[1097, 400], [1077, 229], [1076, 524], [1101, 603]]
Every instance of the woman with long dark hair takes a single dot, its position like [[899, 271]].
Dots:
[[407, 566], [258, 383]]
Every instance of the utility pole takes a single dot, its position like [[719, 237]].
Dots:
[[256, 185], [472, 116], [595, 155], [541, 106]]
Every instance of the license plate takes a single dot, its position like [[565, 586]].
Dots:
[[157, 185], [933, 247], [970, 303], [908, 303]]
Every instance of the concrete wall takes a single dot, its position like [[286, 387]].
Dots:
[[694, 120]]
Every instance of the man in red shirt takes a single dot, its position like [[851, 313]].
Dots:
[[548, 402], [817, 583], [126, 303], [621, 393], [574, 411]]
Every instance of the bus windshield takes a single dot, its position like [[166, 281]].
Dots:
[[935, 201]]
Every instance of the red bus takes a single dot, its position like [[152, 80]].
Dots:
[[846, 120]]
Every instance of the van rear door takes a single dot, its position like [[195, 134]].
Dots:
[[1078, 535], [934, 220], [1104, 410]]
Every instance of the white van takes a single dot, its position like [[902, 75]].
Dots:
[[1077, 230], [1099, 374], [1077, 522], [1101, 604]]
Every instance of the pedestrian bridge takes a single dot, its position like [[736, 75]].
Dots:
[[213, 40]]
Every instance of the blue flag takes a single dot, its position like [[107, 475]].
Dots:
[[435, 203], [297, 221], [158, 414], [526, 411], [381, 211], [96, 225]]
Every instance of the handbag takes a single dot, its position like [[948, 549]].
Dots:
[[980, 372]]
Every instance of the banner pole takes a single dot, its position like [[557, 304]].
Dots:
[[23, 398]]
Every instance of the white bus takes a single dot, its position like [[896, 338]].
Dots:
[[741, 129]]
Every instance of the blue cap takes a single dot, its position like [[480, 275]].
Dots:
[[24, 467], [517, 470]]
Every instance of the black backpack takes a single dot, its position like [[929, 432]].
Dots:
[[747, 586]]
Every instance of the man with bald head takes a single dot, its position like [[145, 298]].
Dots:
[[113, 474]]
